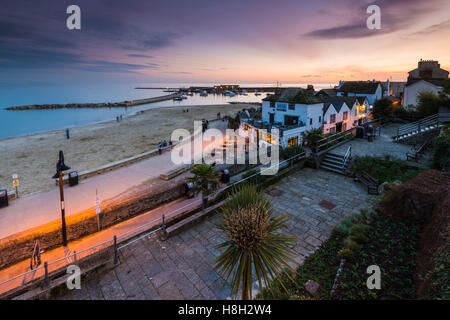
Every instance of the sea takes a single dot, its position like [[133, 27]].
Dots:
[[21, 123]]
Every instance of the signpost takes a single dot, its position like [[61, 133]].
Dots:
[[15, 181], [97, 209]]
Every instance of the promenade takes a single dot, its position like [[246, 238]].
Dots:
[[37, 209]]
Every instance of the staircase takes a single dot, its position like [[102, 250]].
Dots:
[[429, 125], [336, 162]]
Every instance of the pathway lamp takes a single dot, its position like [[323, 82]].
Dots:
[[60, 167]]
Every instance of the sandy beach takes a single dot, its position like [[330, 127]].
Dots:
[[34, 157]]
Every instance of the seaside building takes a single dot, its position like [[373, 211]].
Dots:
[[295, 111], [343, 113], [227, 87], [427, 77], [372, 90], [292, 111]]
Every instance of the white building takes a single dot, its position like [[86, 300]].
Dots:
[[415, 87], [343, 113], [372, 90], [292, 112], [295, 111]]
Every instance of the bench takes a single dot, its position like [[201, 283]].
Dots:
[[370, 182], [415, 155]]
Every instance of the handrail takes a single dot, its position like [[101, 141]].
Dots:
[[348, 154], [420, 124], [282, 164]]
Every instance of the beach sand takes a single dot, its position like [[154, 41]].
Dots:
[[34, 157]]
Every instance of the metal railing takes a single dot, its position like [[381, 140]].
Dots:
[[348, 154], [422, 124], [331, 140], [44, 272]]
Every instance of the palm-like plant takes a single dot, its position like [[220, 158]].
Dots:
[[205, 180], [254, 241]]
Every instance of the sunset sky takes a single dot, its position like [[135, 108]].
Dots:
[[219, 41]]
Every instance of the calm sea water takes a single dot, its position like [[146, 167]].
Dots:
[[18, 123]]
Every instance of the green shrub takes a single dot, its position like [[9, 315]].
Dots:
[[441, 151], [385, 168], [286, 153]]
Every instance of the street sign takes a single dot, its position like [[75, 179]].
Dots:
[[97, 203], [15, 180]]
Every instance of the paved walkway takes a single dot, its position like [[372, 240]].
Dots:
[[182, 267], [380, 146], [40, 208]]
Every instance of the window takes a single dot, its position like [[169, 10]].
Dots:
[[293, 142], [345, 116], [290, 120], [320, 119], [291, 106], [272, 104], [269, 138], [344, 126], [356, 111], [333, 118], [310, 121], [333, 130]]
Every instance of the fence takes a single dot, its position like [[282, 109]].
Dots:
[[44, 272]]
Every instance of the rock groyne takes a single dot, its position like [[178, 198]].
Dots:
[[125, 103]]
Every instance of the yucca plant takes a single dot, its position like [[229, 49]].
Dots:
[[205, 180], [254, 242]]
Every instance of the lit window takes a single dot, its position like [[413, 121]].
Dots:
[[292, 142], [345, 115]]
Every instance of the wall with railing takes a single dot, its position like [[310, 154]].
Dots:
[[108, 250]]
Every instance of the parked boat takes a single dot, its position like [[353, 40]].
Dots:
[[178, 99]]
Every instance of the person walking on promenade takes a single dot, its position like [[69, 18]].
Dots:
[[67, 134], [160, 148]]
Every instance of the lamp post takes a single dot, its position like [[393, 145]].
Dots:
[[60, 167]]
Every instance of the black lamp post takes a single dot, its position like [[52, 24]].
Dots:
[[60, 167]]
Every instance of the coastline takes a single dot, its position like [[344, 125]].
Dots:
[[33, 157]]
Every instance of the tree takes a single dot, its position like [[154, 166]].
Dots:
[[446, 86], [429, 103], [234, 123], [382, 108], [254, 242], [312, 136], [205, 180]]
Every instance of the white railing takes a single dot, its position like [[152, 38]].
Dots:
[[348, 154]]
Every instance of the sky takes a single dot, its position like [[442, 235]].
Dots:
[[232, 41]]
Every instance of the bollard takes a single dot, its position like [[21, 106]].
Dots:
[[74, 255], [163, 227], [116, 253], [47, 279]]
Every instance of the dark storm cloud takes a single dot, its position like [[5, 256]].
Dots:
[[395, 15]]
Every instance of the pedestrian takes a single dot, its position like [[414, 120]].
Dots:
[[165, 143], [159, 148], [67, 133]]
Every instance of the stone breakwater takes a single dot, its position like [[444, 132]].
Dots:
[[95, 105]]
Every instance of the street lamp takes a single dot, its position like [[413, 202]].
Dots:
[[60, 167]]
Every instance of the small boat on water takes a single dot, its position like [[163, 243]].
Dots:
[[183, 97], [257, 94], [178, 99], [203, 94]]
